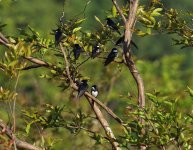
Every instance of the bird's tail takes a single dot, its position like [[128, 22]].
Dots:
[[106, 62], [119, 32]]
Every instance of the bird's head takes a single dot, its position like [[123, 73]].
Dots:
[[114, 50], [107, 19], [84, 81], [94, 87]]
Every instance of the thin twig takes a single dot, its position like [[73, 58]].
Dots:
[[67, 64], [83, 62], [19, 143], [31, 67], [14, 103], [119, 10], [37, 61]]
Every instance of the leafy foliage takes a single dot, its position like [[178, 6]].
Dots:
[[166, 124]]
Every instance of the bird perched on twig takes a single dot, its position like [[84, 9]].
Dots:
[[95, 51], [94, 91], [58, 36], [113, 25], [82, 87], [77, 50], [121, 40], [112, 55]]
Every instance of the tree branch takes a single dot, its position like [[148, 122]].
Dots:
[[67, 64], [19, 143], [41, 63], [127, 53], [119, 10], [3, 40], [104, 124], [37, 61], [127, 57]]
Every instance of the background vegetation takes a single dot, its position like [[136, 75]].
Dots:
[[165, 67]]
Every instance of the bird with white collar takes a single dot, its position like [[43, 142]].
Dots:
[[94, 91]]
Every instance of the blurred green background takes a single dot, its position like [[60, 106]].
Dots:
[[163, 66]]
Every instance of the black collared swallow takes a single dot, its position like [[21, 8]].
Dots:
[[121, 40], [77, 50], [58, 36], [112, 55], [95, 51], [113, 25], [94, 91], [82, 87]]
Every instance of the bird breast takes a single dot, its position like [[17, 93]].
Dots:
[[94, 93]]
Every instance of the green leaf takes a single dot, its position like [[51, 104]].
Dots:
[[148, 31], [79, 21], [152, 97], [114, 11], [27, 129], [141, 33], [156, 12], [168, 103], [76, 29], [190, 91], [53, 71], [13, 63], [97, 19]]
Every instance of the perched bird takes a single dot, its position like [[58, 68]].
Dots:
[[95, 51], [58, 36], [121, 39], [112, 55], [82, 87], [113, 25], [94, 91], [77, 50]]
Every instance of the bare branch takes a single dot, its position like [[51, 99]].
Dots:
[[3, 40], [129, 25], [127, 54], [119, 10], [104, 124], [19, 143], [32, 67], [37, 61]]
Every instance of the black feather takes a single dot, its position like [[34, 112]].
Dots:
[[83, 86], [113, 25], [77, 50], [121, 40], [95, 51], [58, 36], [112, 55]]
